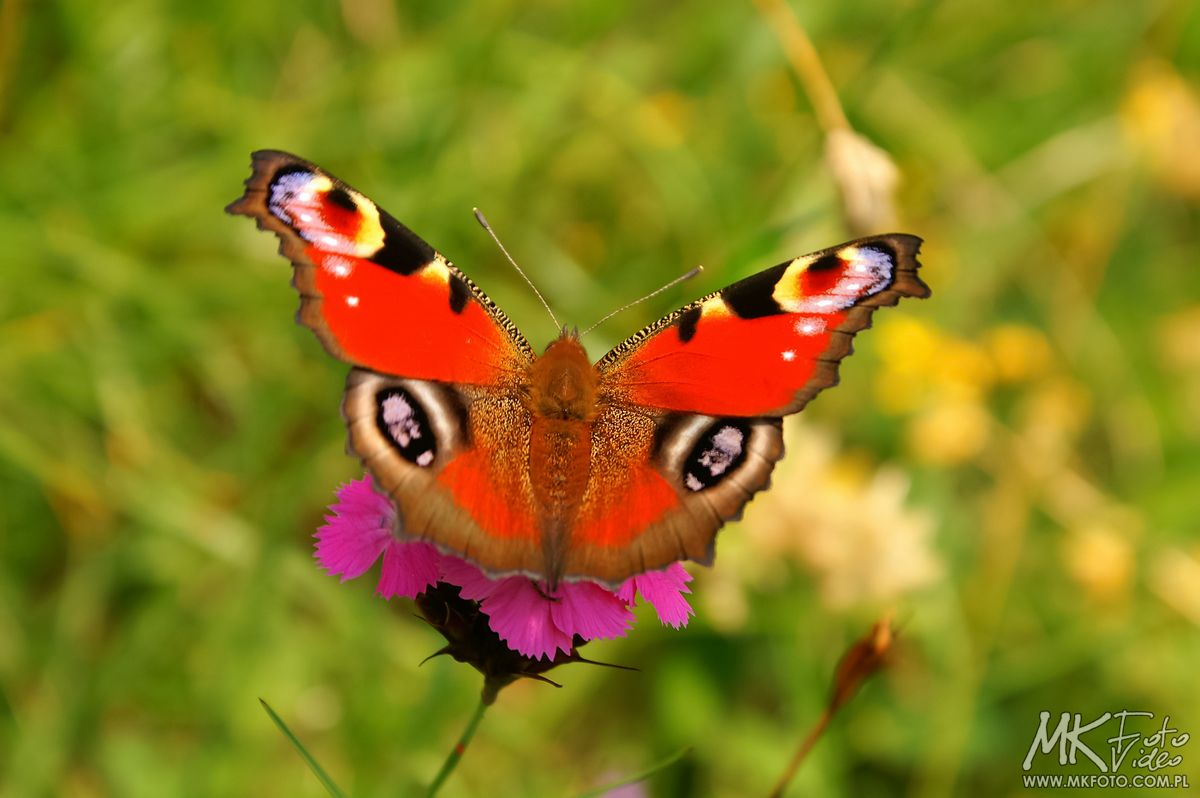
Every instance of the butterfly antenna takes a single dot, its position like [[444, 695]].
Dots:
[[681, 278], [484, 224]]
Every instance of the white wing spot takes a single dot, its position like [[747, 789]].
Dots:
[[285, 191], [338, 267], [788, 355], [808, 325], [724, 447], [715, 456], [352, 301], [401, 421]]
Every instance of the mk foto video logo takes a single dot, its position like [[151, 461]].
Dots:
[[1141, 752]]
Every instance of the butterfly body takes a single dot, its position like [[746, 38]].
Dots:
[[563, 383], [551, 465]]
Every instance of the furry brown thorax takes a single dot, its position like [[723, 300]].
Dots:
[[563, 381]]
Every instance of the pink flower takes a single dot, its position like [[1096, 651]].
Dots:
[[360, 530], [526, 616], [663, 590]]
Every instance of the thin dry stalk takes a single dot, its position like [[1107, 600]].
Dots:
[[860, 662]]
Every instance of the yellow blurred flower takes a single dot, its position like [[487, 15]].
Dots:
[[1179, 339], [949, 432], [922, 364], [1161, 117], [1100, 559], [963, 369], [945, 381], [1019, 353], [907, 347], [908, 344]]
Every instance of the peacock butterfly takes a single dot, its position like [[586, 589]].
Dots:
[[549, 465]]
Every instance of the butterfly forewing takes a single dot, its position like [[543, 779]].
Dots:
[[374, 293], [765, 345]]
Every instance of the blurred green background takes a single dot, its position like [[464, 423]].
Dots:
[[1012, 466]]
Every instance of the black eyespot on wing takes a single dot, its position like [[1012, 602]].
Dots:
[[718, 452], [687, 324], [825, 263], [402, 251], [459, 293], [340, 197], [752, 298], [405, 425]]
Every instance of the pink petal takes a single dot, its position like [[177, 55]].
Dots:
[[516, 610], [522, 618], [358, 500], [664, 590], [628, 591], [409, 567], [357, 533], [474, 583], [590, 611]]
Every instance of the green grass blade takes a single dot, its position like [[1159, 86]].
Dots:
[[317, 770], [642, 776]]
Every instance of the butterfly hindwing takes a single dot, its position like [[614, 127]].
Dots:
[[668, 484], [374, 293], [452, 459], [766, 345]]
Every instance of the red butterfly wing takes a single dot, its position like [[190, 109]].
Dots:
[[766, 345], [435, 410], [693, 400], [373, 292]]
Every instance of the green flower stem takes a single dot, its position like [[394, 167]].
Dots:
[[457, 751]]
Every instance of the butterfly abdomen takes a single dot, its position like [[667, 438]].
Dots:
[[562, 401], [560, 454]]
